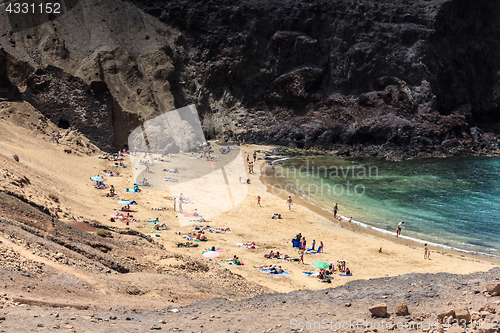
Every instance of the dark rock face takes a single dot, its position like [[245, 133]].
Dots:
[[69, 102], [390, 76], [8, 90]]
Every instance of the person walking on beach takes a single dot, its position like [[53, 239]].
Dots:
[[301, 255], [426, 251], [398, 230], [258, 201], [289, 202], [335, 208]]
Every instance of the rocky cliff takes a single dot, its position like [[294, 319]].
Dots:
[[382, 78]]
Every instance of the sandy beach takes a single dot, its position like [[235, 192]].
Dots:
[[248, 222], [217, 194]]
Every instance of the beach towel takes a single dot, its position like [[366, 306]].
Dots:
[[186, 202], [187, 237], [172, 171], [168, 179], [345, 274], [199, 240], [132, 191], [188, 214], [311, 273], [296, 243], [155, 208], [268, 271], [153, 221], [319, 250], [247, 246], [129, 210]]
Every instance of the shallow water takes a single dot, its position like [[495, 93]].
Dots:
[[453, 201]]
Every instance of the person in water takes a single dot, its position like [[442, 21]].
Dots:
[[398, 229]]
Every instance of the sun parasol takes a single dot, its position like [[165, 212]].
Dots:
[[320, 264], [211, 254]]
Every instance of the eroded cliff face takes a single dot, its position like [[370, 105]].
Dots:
[[110, 45], [407, 76], [369, 78], [70, 103]]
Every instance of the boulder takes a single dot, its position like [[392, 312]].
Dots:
[[487, 307], [493, 288], [401, 309], [378, 310], [462, 313], [444, 316]]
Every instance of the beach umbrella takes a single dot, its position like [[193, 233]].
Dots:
[[124, 203], [211, 254], [320, 264], [97, 179]]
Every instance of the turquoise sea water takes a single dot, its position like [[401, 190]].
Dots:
[[453, 201]]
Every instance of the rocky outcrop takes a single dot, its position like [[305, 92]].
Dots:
[[379, 78], [388, 76], [70, 103]]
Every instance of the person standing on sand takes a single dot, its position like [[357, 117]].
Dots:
[[426, 251], [335, 208], [180, 207], [398, 229], [289, 202], [258, 201], [254, 155], [301, 254], [175, 199]]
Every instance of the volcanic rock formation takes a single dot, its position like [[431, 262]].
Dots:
[[388, 79]]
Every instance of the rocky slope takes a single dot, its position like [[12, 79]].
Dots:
[[384, 79], [414, 302]]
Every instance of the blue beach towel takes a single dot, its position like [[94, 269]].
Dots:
[[319, 250], [296, 243]]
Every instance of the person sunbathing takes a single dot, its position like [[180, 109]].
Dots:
[[201, 236]]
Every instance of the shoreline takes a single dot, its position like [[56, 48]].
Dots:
[[359, 226]]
